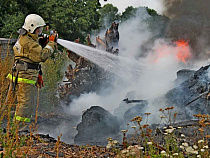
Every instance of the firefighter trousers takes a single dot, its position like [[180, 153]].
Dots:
[[26, 92], [26, 102]]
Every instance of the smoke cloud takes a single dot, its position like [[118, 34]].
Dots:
[[190, 21], [157, 75], [159, 62], [123, 4]]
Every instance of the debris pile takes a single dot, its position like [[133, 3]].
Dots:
[[196, 86], [189, 97], [111, 40], [82, 76], [96, 126]]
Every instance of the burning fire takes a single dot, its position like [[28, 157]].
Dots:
[[181, 51]]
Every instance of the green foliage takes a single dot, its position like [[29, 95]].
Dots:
[[9, 10], [109, 13], [128, 13], [72, 18], [11, 22], [52, 74], [151, 12]]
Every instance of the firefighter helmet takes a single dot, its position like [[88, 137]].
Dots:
[[33, 21]]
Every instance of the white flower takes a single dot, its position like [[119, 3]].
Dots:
[[115, 142], [164, 127], [185, 144], [165, 133], [125, 151], [206, 147], [181, 147], [170, 130], [133, 153], [189, 149], [179, 127], [164, 153], [202, 150], [195, 152], [199, 156], [140, 148], [175, 154], [108, 146], [171, 127], [133, 127], [201, 141], [182, 135], [149, 143], [195, 146]]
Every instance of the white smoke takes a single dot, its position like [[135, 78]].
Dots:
[[123, 4], [156, 78]]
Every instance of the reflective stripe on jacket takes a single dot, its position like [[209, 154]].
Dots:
[[21, 80]]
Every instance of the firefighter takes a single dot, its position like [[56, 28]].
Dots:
[[26, 73]]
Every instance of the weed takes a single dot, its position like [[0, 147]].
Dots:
[[170, 142]]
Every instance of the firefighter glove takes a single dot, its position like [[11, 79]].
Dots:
[[43, 40], [53, 38], [40, 82]]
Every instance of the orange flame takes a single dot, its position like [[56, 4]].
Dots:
[[183, 50]]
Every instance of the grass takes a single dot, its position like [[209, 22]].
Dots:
[[171, 143], [10, 139]]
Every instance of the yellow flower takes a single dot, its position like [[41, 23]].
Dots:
[[124, 131], [147, 113], [109, 139]]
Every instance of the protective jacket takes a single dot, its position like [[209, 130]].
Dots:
[[28, 54], [28, 49]]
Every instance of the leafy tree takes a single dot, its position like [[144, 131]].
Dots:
[[11, 24], [72, 18], [128, 13], [109, 13], [9, 15], [151, 12]]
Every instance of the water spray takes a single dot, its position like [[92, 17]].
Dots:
[[120, 66]]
